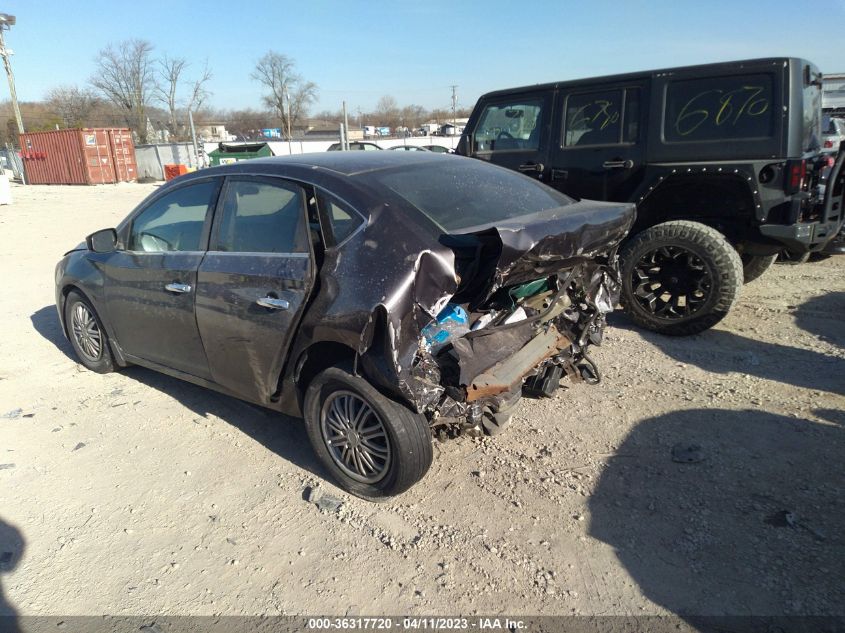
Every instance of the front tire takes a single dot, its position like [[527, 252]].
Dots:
[[373, 446], [679, 278], [87, 335]]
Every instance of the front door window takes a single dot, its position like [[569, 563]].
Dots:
[[510, 126]]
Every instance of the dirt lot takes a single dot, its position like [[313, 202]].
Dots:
[[134, 493]]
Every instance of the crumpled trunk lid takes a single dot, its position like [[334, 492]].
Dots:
[[526, 248]]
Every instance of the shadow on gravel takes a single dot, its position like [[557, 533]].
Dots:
[[824, 317], [281, 434], [284, 435], [750, 525], [46, 323], [12, 546], [723, 352]]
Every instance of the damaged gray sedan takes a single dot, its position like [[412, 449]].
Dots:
[[386, 298]]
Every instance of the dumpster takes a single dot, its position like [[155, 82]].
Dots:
[[82, 156], [227, 153]]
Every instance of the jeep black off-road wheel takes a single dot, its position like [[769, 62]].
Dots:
[[87, 335], [753, 266], [374, 447], [679, 278]]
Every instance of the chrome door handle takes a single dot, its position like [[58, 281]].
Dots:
[[273, 303], [178, 288], [538, 167], [618, 164]]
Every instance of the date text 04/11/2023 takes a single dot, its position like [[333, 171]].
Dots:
[[414, 623]]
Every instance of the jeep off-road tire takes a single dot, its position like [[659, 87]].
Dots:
[[388, 446], [679, 278], [753, 266]]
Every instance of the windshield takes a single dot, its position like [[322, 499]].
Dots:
[[460, 193]]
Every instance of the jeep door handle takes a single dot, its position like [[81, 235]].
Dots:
[[618, 164], [273, 303], [178, 288], [538, 167]]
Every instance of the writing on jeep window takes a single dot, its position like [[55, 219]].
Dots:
[[719, 108]]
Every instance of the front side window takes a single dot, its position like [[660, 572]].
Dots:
[[174, 222], [260, 217], [719, 108], [510, 126]]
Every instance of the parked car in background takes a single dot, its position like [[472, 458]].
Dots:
[[354, 145], [408, 148], [722, 160], [438, 148], [385, 297], [833, 133]]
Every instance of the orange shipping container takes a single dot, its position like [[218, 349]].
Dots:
[[88, 156]]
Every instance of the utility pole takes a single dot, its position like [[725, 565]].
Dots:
[[454, 105], [345, 127], [6, 22], [287, 98]]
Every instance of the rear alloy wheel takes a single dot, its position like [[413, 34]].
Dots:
[[753, 266], [373, 446], [679, 278], [87, 335]]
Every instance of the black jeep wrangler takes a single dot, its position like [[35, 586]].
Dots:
[[723, 161]]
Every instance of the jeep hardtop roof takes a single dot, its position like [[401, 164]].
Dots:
[[708, 68]]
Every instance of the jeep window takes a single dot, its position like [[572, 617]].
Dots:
[[719, 108], [509, 126], [812, 115], [593, 118], [631, 117]]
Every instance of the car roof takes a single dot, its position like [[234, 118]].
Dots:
[[345, 163]]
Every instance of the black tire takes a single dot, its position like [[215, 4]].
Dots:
[[686, 260], [85, 334], [753, 266], [793, 259], [406, 438]]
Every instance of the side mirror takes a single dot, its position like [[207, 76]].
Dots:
[[102, 241]]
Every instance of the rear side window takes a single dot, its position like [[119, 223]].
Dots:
[[510, 126], [260, 217], [342, 220], [719, 108]]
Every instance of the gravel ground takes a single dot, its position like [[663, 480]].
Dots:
[[703, 476]]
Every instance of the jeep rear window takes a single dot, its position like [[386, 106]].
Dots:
[[608, 117], [719, 108]]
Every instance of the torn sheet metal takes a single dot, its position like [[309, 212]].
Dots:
[[573, 247]]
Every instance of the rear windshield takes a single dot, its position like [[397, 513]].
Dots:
[[461, 193]]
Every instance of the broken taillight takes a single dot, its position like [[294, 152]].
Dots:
[[796, 171]]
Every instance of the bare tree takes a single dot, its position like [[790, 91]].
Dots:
[[171, 71], [126, 76], [288, 93], [72, 104]]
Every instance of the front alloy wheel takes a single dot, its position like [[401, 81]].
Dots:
[[87, 334]]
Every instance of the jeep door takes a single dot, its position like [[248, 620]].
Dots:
[[513, 131], [253, 283], [598, 149]]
